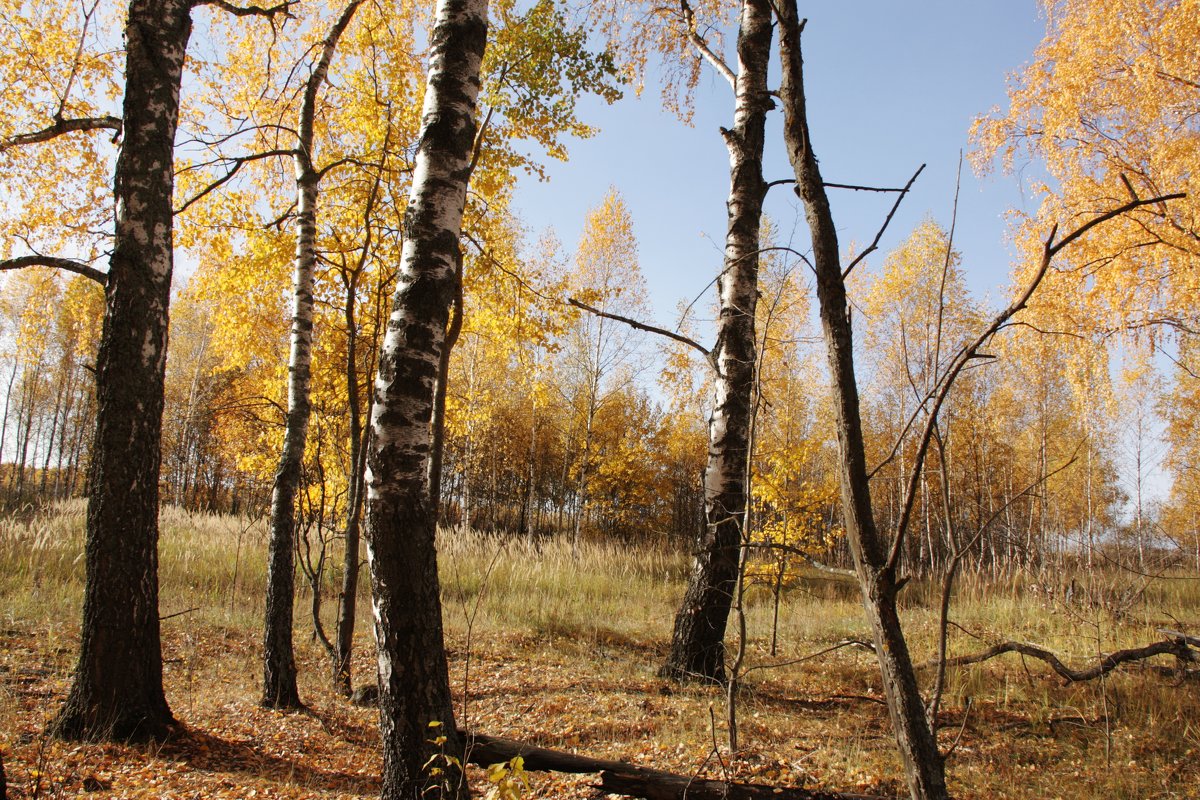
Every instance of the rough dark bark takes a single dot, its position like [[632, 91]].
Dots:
[[631, 780], [918, 748], [401, 522], [279, 661], [117, 689], [698, 640]]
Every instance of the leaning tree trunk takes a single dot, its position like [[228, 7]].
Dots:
[[279, 662], [401, 522], [117, 689], [698, 642], [918, 747]]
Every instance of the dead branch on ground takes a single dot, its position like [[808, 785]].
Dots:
[[631, 780], [1177, 646]]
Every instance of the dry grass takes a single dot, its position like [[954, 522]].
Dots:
[[563, 652]]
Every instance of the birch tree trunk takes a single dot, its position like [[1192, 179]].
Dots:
[[918, 747], [279, 662], [117, 690], [698, 640], [401, 522]]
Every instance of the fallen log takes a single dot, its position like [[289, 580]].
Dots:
[[1177, 647], [631, 780]]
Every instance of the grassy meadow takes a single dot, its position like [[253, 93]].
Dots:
[[563, 652]]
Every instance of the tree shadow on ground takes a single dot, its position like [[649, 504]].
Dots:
[[205, 752]]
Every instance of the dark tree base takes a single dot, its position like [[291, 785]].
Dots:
[[699, 670], [283, 702], [76, 723]]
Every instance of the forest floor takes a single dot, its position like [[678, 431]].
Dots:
[[562, 653]]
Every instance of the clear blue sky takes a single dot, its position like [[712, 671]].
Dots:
[[891, 85]]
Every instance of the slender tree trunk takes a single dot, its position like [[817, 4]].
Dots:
[[401, 523], [698, 640], [438, 425], [25, 426], [54, 432], [12, 377], [581, 492], [918, 747], [279, 662], [117, 690]]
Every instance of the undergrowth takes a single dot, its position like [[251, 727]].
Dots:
[[564, 651]]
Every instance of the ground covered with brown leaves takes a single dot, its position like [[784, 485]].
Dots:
[[821, 726], [560, 649]]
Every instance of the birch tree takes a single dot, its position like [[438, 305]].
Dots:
[[279, 663], [698, 639], [416, 714], [116, 689]]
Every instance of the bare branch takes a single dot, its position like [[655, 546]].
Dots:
[[65, 264], [1053, 249], [62, 126], [887, 221], [284, 8], [1050, 249], [238, 163], [66, 92], [856, 188], [832, 648], [641, 326]]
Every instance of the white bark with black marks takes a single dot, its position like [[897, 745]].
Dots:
[[698, 641], [401, 522], [279, 663]]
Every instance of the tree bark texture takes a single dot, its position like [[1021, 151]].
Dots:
[[117, 687], [401, 522], [918, 747], [698, 640], [279, 662]]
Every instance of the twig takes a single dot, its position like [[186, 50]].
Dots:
[[641, 326], [251, 11], [887, 221], [178, 614]]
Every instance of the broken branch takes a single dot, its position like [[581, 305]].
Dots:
[[1177, 647]]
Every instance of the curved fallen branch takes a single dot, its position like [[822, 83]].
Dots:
[[631, 780], [1177, 647]]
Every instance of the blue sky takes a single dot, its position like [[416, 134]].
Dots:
[[891, 85]]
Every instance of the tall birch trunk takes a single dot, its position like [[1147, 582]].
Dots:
[[698, 641], [279, 663], [401, 522], [918, 747], [117, 690]]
